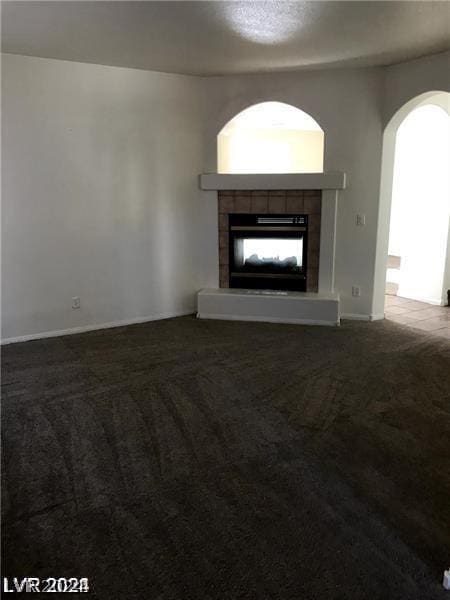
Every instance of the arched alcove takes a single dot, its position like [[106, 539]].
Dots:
[[420, 204], [271, 137], [438, 98]]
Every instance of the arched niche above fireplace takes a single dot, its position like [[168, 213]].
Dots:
[[271, 137]]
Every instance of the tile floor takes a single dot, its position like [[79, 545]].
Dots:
[[419, 315]]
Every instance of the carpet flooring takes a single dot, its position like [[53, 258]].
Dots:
[[206, 460]]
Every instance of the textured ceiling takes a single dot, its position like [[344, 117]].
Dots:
[[213, 38]]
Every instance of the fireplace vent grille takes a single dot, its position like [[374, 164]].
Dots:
[[280, 220]]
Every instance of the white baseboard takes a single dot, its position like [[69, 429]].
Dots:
[[359, 317], [94, 327], [223, 317], [355, 317], [377, 317]]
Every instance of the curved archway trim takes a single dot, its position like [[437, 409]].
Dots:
[[386, 185]]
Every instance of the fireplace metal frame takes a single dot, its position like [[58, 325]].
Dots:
[[289, 226]]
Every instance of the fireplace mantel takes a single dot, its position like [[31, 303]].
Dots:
[[265, 187], [330, 183], [332, 180]]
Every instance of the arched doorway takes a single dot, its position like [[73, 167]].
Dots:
[[271, 137], [414, 202]]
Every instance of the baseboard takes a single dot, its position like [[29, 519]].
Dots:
[[359, 317], [222, 317], [95, 327], [376, 317]]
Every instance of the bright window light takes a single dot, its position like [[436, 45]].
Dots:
[[421, 203], [271, 137], [273, 249]]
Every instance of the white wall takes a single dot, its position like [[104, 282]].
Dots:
[[100, 194], [100, 172], [346, 103], [408, 80]]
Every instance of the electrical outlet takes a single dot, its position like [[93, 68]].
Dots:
[[360, 220], [356, 291], [76, 302]]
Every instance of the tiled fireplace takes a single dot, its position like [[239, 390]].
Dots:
[[279, 228], [295, 203]]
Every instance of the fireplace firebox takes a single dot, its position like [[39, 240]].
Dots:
[[268, 251]]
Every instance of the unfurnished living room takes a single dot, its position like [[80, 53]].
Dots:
[[225, 300]]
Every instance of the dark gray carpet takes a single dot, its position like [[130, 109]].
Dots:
[[204, 460]]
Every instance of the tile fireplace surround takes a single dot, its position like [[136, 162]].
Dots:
[[304, 202], [311, 194]]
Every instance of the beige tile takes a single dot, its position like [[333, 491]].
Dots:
[[418, 315], [436, 312], [242, 204], [294, 204], [391, 301], [226, 204], [415, 305], [317, 194], [223, 222], [311, 205], [312, 281], [393, 262], [223, 282], [223, 239], [391, 288], [403, 319], [397, 310], [259, 204], [313, 260], [276, 204], [444, 332], [400, 300], [223, 275], [314, 223], [313, 243], [428, 325], [223, 256]]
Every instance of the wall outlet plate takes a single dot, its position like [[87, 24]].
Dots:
[[356, 291], [76, 302]]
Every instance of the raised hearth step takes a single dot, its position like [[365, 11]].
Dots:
[[267, 305]]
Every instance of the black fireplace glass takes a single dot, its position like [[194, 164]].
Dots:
[[268, 251]]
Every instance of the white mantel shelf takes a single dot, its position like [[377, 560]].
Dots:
[[332, 180]]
